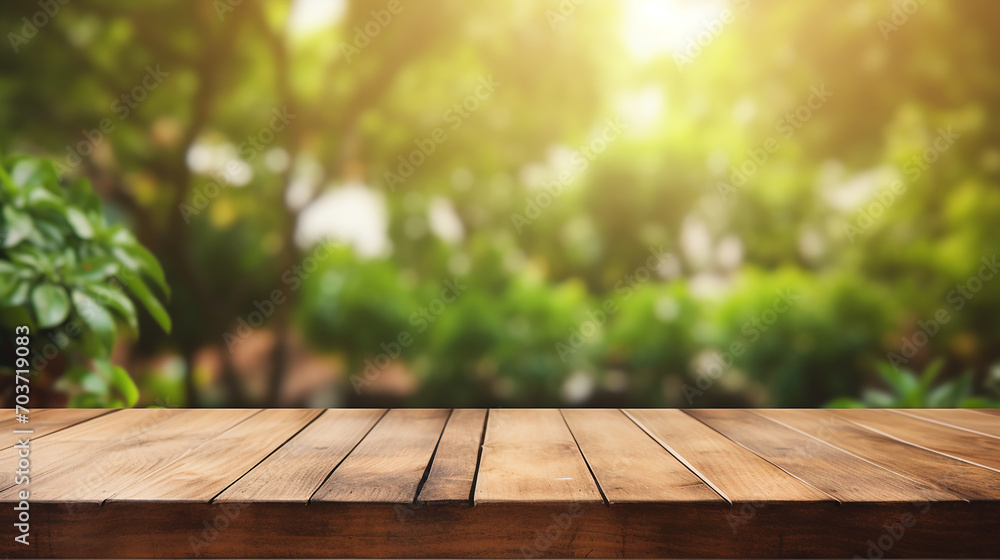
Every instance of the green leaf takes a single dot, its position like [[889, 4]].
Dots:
[[121, 381], [43, 199], [30, 173], [8, 184], [18, 226], [879, 399], [79, 222], [114, 299], [149, 266], [101, 323], [94, 382], [931, 373], [7, 268], [18, 294], [8, 282], [941, 396], [50, 232], [82, 195], [97, 269], [844, 402], [27, 260], [141, 291], [125, 258], [51, 303], [86, 400]]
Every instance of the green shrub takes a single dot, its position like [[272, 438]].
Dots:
[[908, 390], [71, 278]]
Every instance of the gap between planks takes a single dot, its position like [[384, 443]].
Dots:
[[264, 458], [344, 458]]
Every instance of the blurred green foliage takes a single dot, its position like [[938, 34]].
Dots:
[[909, 390], [848, 223], [66, 273]]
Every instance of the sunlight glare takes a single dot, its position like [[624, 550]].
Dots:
[[312, 15], [655, 27]]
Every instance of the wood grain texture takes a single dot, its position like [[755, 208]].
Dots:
[[529, 455], [96, 475], [454, 467], [339, 530], [389, 463], [836, 472], [961, 444], [542, 500], [205, 471], [933, 469], [296, 470], [735, 472], [81, 459], [958, 418], [43, 422], [629, 465]]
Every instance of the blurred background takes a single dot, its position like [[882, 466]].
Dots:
[[533, 203]]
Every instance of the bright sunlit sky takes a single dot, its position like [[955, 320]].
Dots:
[[656, 27], [356, 214], [651, 27]]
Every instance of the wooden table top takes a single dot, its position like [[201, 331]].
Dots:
[[505, 483]]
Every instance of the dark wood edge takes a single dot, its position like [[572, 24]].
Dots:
[[337, 530]]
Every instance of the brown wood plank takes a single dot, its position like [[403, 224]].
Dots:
[[629, 465], [389, 463], [88, 474], [959, 418], [205, 471], [296, 470], [960, 444], [454, 466], [8, 421], [61, 455], [990, 411], [838, 473], [529, 455], [330, 530], [964, 479], [735, 472], [43, 422]]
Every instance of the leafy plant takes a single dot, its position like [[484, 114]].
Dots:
[[65, 270], [909, 390]]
